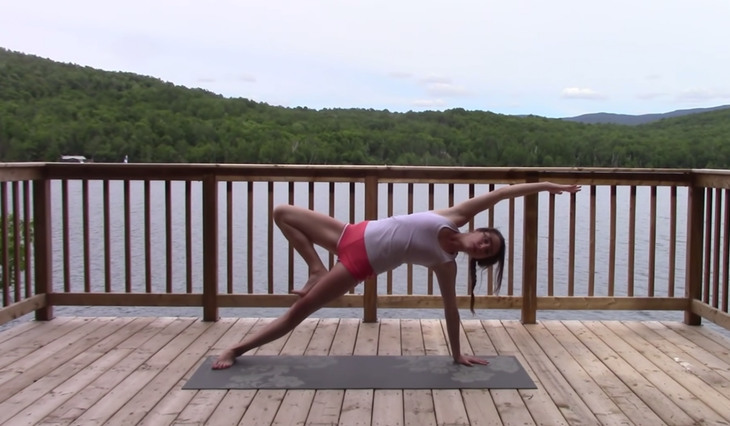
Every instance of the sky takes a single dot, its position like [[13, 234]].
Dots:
[[554, 58]]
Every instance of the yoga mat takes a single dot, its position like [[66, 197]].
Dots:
[[361, 372]]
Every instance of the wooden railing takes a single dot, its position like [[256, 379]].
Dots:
[[193, 235]]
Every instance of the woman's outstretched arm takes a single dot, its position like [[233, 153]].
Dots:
[[461, 213]]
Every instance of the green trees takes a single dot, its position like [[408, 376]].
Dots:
[[16, 245], [48, 109]]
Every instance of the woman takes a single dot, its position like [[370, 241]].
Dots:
[[368, 248]]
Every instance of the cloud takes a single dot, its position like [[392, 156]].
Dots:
[[435, 79], [581, 93], [135, 49], [445, 89], [650, 96], [248, 78], [400, 74], [653, 77], [702, 94], [428, 103]]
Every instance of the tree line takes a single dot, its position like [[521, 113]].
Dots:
[[49, 109]]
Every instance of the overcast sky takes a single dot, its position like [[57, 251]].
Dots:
[[552, 58]]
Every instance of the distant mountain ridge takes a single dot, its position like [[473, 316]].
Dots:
[[634, 120]]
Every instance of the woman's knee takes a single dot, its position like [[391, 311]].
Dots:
[[281, 211]]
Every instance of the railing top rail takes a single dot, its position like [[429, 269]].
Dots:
[[711, 178], [211, 167], [14, 171], [711, 172], [21, 165], [385, 173], [18, 172]]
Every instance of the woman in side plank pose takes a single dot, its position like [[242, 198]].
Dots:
[[368, 248]]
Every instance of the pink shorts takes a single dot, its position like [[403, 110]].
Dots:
[[351, 251]]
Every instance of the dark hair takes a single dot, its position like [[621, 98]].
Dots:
[[497, 258]]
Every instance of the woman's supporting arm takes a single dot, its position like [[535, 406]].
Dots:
[[446, 277]]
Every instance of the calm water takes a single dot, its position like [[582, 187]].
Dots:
[[321, 203]]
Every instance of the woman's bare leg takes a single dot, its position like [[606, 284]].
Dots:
[[334, 284], [304, 228]]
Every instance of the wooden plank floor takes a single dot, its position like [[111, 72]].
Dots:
[[129, 371]]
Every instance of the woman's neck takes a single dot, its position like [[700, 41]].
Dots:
[[449, 240]]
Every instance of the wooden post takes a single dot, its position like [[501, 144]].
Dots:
[[529, 256], [42, 247], [694, 251], [370, 302], [210, 248]]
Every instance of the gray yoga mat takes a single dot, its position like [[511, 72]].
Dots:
[[361, 372]]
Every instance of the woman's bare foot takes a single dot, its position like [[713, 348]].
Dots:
[[313, 279], [225, 360]]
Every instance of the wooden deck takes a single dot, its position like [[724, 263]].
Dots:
[[128, 371]]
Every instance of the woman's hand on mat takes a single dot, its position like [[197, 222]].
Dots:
[[470, 360]]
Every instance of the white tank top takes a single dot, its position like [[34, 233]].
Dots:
[[411, 238]]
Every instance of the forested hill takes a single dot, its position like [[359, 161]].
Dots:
[[48, 109]]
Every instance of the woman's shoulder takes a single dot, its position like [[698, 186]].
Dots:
[[433, 217]]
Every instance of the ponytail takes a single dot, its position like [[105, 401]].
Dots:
[[497, 258]]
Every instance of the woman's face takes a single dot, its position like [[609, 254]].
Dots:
[[481, 244]]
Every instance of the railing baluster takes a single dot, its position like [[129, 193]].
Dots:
[[389, 285], [370, 297], [66, 240], [352, 213], [409, 267], [43, 247], [17, 241], [147, 237], [332, 214], [290, 249], [189, 236], [529, 256], [249, 240], [229, 236], [469, 289], [168, 235], [672, 240], [210, 248], [270, 238], [571, 247], [490, 279], [726, 252], [708, 247], [592, 244], [716, 250], [632, 240], [107, 239], [612, 247], [5, 244], [430, 207], [511, 260], [87, 245], [127, 237], [693, 266], [551, 246], [652, 242], [27, 234]]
